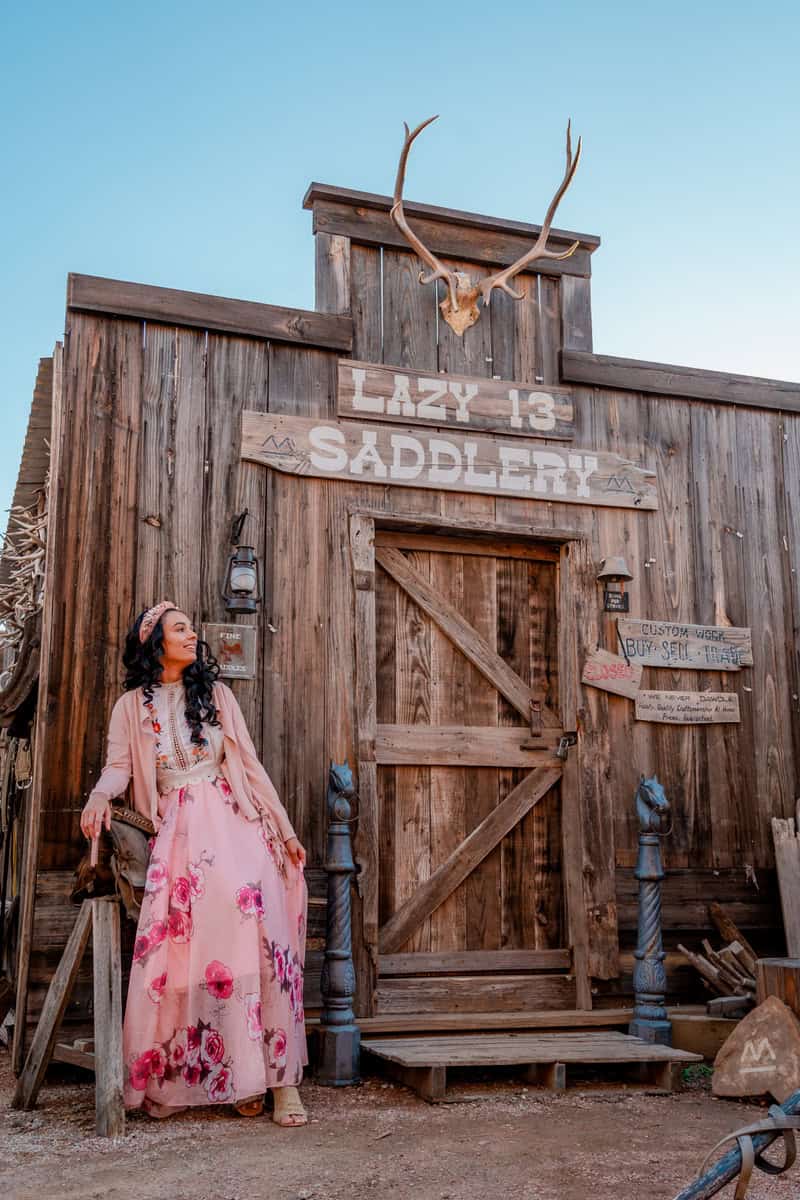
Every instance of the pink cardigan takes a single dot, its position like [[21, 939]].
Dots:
[[131, 755]]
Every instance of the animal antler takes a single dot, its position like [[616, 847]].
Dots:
[[500, 278], [460, 306], [438, 270]]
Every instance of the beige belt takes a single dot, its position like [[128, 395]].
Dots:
[[167, 780]]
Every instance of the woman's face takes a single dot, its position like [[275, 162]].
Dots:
[[180, 639]]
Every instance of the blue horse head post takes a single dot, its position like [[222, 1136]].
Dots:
[[652, 805], [650, 1020]]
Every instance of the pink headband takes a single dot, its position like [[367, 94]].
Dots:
[[150, 618]]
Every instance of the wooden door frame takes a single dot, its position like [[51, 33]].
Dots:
[[573, 554]]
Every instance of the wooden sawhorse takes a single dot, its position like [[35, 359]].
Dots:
[[101, 918]]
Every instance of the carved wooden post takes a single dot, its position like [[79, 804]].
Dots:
[[650, 1021], [339, 1036]]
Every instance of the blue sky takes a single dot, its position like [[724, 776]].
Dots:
[[172, 144]]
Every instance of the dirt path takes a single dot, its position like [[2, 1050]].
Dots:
[[502, 1140]]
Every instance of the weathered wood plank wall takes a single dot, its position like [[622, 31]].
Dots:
[[149, 479]]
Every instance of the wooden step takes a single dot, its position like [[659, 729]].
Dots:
[[471, 1022], [422, 1062]]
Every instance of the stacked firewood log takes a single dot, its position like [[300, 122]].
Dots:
[[24, 549], [731, 970]]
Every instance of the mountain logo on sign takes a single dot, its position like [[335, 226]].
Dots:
[[758, 1055], [285, 446], [619, 483]]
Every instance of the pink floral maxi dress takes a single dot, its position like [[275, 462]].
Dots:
[[215, 1002]]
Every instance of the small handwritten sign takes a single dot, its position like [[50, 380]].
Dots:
[[449, 460], [611, 673], [234, 648], [688, 708], [374, 392], [685, 647]]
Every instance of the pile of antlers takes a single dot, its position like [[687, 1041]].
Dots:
[[24, 547], [460, 307]]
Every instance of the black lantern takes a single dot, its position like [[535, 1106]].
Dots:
[[614, 571], [242, 590]]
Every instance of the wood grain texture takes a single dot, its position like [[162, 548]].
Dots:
[[91, 293], [427, 898], [467, 403], [481, 464], [471, 993], [461, 746], [717, 387], [450, 621], [787, 864], [371, 227]]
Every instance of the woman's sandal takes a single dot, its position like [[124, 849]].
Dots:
[[288, 1107], [159, 1111], [253, 1107]]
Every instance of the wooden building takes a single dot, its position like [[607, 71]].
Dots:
[[427, 614]]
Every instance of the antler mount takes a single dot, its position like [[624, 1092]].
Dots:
[[460, 306]]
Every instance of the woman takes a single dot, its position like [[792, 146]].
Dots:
[[215, 1001]]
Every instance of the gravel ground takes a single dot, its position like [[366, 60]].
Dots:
[[498, 1138]]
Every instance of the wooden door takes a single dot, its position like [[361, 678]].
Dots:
[[470, 898]]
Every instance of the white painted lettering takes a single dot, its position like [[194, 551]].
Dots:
[[543, 416], [427, 410], [473, 478], [401, 403], [547, 463], [326, 439], [362, 403], [437, 447], [513, 457], [463, 393], [515, 420], [583, 465], [368, 456], [411, 470]]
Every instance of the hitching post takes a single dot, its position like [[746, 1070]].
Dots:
[[339, 1036], [650, 1021]]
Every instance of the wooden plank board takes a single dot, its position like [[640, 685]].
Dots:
[[611, 673], [592, 1046], [107, 968], [471, 644], [447, 816], [451, 544], [472, 961], [41, 1051], [465, 1022], [681, 646], [483, 464], [91, 293], [453, 993], [787, 862], [471, 851], [366, 842], [484, 244], [374, 392], [687, 708], [462, 746], [665, 379]]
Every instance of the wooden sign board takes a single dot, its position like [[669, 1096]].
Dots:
[[680, 646], [611, 673], [453, 462], [374, 393], [234, 648], [688, 708]]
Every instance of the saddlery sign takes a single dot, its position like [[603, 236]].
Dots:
[[444, 460]]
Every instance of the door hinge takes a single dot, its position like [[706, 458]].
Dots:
[[567, 740]]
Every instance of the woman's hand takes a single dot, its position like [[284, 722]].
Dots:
[[96, 813], [295, 851]]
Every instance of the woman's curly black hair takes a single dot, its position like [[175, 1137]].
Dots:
[[143, 669]]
